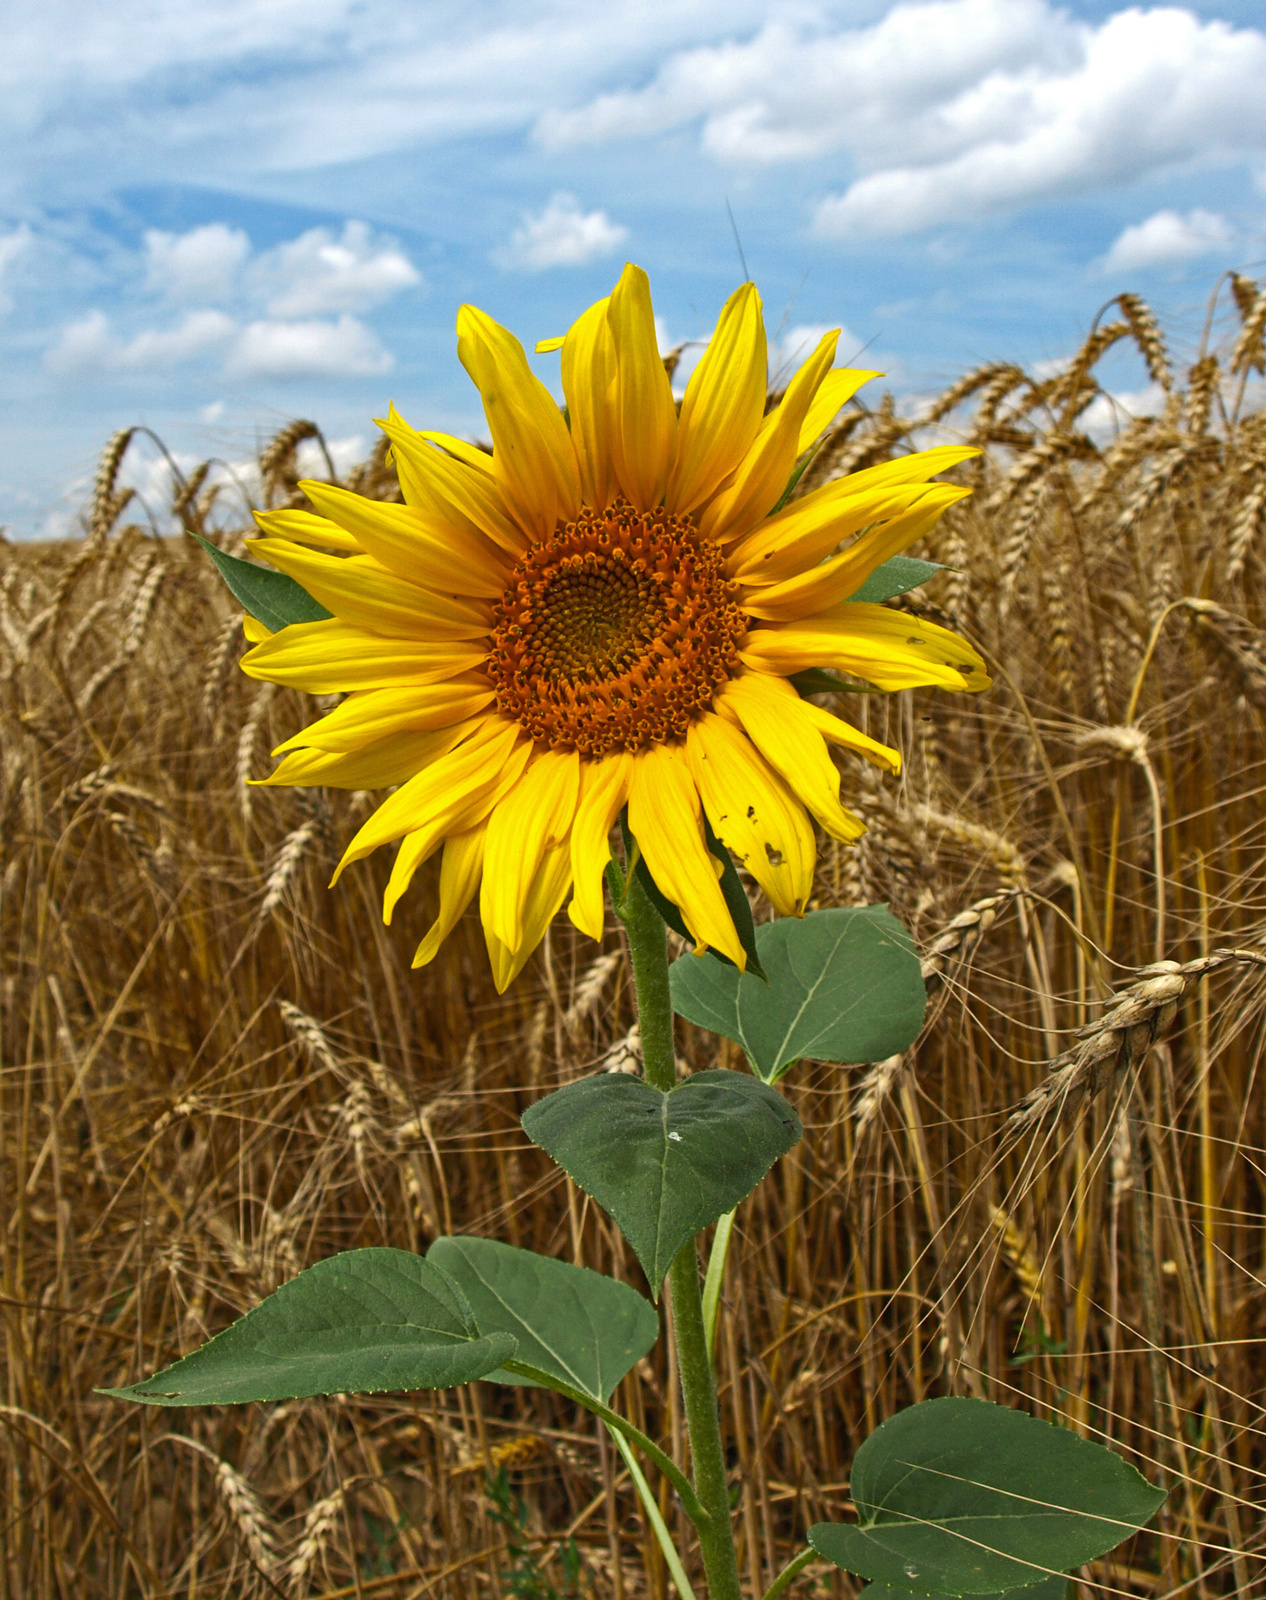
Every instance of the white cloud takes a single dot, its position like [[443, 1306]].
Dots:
[[202, 264], [1167, 239], [90, 344], [952, 109], [562, 235], [12, 245], [342, 349], [318, 273], [345, 454]]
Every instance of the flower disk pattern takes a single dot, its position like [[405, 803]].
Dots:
[[616, 633]]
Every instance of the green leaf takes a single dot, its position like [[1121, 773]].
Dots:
[[270, 597], [736, 900], [896, 576], [960, 1497], [578, 1325], [664, 1165], [844, 985], [1049, 1589], [364, 1322]]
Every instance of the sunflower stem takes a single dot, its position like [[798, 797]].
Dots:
[[648, 947]]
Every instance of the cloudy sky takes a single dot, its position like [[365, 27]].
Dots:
[[216, 218]]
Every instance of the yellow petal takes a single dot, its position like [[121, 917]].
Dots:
[[835, 391], [332, 657], [889, 648], [255, 630], [778, 698], [792, 745], [545, 347], [459, 878], [724, 403], [752, 812], [438, 485], [836, 731], [544, 898], [536, 815], [604, 788], [361, 591], [645, 433], [753, 490], [302, 527], [434, 823], [443, 797], [797, 538], [843, 576], [794, 541], [372, 714], [588, 370], [666, 819], [375, 766], [463, 449], [532, 458], [445, 556]]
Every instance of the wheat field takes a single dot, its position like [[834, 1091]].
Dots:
[[215, 1071]]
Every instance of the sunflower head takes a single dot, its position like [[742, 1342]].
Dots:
[[603, 613]]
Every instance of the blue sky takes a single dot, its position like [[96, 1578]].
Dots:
[[216, 218]]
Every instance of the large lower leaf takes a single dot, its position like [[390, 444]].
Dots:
[[578, 1325], [843, 986], [271, 597], [664, 1165], [963, 1497], [364, 1322]]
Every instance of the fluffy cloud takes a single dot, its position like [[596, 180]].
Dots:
[[163, 89], [342, 349], [952, 109], [562, 235], [202, 264], [90, 344], [318, 273], [1167, 239]]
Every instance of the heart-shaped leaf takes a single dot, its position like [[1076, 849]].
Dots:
[[664, 1165], [364, 1322], [961, 1497], [1048, 1589], [271, 597], [844, 985], [577, 1325]]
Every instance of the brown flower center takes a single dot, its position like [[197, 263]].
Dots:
[[616, 633]]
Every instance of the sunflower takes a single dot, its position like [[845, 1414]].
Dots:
[[603, 613]]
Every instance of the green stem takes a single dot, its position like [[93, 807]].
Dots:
[[654, 1516], [648, 948], [791, 1571], [690, 1503]]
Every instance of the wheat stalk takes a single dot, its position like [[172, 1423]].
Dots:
[[318, 1524], [589, 990], [107, 503], [1118, 1042]]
